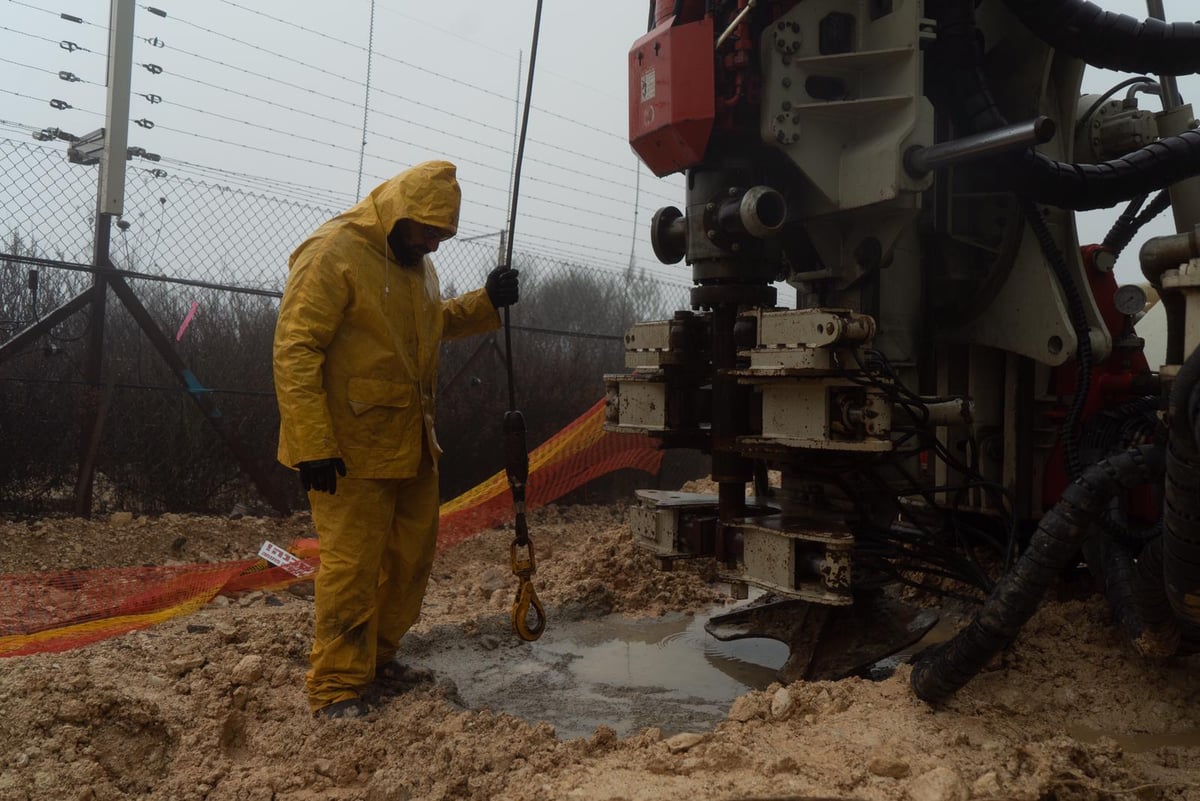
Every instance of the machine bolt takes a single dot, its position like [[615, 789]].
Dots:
[[795, 119], [781, 137], [787, 105], [711, 234], [735, 247], [787, 82], [781, 118], [710, 206]]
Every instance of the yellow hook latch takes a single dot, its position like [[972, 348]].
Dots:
[[524, 569]]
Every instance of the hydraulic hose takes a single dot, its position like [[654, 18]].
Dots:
[[1133, 220], [1135, 592], [1072, 186], [1096, 186], [945, 668], [1112, 41], [1160, 632], [1181, 510]]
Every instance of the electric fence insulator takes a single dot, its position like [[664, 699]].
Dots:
[[153, 98], [61, 105], [158, 12], [154, 41], [70, 77], [158, 172], [145, 123], [72, 18], [69, 46], [153, 69]]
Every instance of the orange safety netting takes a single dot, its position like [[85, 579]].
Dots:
[[59, 610]]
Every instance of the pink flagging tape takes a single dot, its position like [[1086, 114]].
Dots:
[[187, 320]]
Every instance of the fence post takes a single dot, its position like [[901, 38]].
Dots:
[[110, 198], [91, 423]]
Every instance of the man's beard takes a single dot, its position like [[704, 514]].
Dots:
[[406, 254], [411, 255]]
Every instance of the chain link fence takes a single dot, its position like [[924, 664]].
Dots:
[[208, 262]]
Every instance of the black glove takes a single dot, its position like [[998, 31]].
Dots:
[[321, 474], [502, 288]]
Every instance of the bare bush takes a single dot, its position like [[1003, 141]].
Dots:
[[158, 453]]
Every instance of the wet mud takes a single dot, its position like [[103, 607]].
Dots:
[[624, 698]]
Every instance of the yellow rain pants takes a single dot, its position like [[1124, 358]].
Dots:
[[377, 546]]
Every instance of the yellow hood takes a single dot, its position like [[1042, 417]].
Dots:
[[427, 194]]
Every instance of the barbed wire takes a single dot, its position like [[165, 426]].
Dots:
[[387, 57], [201, 206]]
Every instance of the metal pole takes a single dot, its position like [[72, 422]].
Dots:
[[116, 118], [1170, 85], [637, 198], [1176, 118], [91, 422], [110, 199], [924, 160], [362, 153], [512, 173], [515, 195], [45, 324]]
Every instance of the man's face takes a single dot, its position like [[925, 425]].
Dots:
[[410, 241]]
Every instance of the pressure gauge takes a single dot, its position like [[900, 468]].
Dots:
[[1130, 299]]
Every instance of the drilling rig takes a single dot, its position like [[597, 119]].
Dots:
[[959, 397]]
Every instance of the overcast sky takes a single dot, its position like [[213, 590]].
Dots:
[[270, 93]]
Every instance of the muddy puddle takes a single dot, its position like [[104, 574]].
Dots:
[[624, 673], [627, 674]]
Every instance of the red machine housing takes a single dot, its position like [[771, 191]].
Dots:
[[1115, 381], [672, 95]]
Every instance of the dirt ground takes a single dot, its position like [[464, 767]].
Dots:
[[211, 706]]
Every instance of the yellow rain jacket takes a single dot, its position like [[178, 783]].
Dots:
[[356, 343]]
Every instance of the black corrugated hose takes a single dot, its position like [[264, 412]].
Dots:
[[1097, 186], [1181, 510], [1131, 221], [943, 669], [1135, 592], [1071, 186], [1112, 41]]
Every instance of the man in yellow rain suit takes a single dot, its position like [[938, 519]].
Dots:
[[356, 355]]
